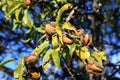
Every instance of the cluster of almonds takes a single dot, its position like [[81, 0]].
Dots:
[[33, 72], [86, 39]]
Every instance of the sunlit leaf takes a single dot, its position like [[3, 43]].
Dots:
[[15, 24], [91, 58], [56, 58], [62, 1], [59, 32], [62, 9], [40, 29], [99, 56], [55, 41], [42, 37], [17, 13], [27, 21], [46, 58], [15, 5], [19, 69], [72, 48], [2, 2], [69, 26], [83, 53], [46, 65], [42, 46], [7, 61]]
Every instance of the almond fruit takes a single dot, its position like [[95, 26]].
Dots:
[[35, 74], [49, 29], [80, 32], [94, 67], [67, 40], [87, 40], [27, 1]]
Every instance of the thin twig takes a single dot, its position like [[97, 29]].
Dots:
[[71, 14], [68, 69]]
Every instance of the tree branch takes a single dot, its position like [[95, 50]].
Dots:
[[7, 70]]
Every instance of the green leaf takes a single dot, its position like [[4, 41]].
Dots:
[[16, 24], [41, 47], [27, 21], [17, 13], [69, 26], [72, 48], [2, 2], [46, 58], [56, 58], [42, 37], [7, 61], [40, 29], [62, 1], [118, 1], [66, 55], [19, 69], [55, 41], [59, 32], [15, 5], [62, 9]]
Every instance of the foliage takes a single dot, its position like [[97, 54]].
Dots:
[[18, 73], [67, 40]]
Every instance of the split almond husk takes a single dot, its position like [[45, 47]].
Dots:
[[27, 1], [35, 74], [31, 59], [87, 39], [67, 40], [50, 28], [32, 74], [80, 32], [94, 67], [53, 24]]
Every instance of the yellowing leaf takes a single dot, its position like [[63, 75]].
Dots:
[[99, 56], [83, 53], [60, 12], [103, 55], [55, 41], [59, 30], [46, 66], [69, 26]]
